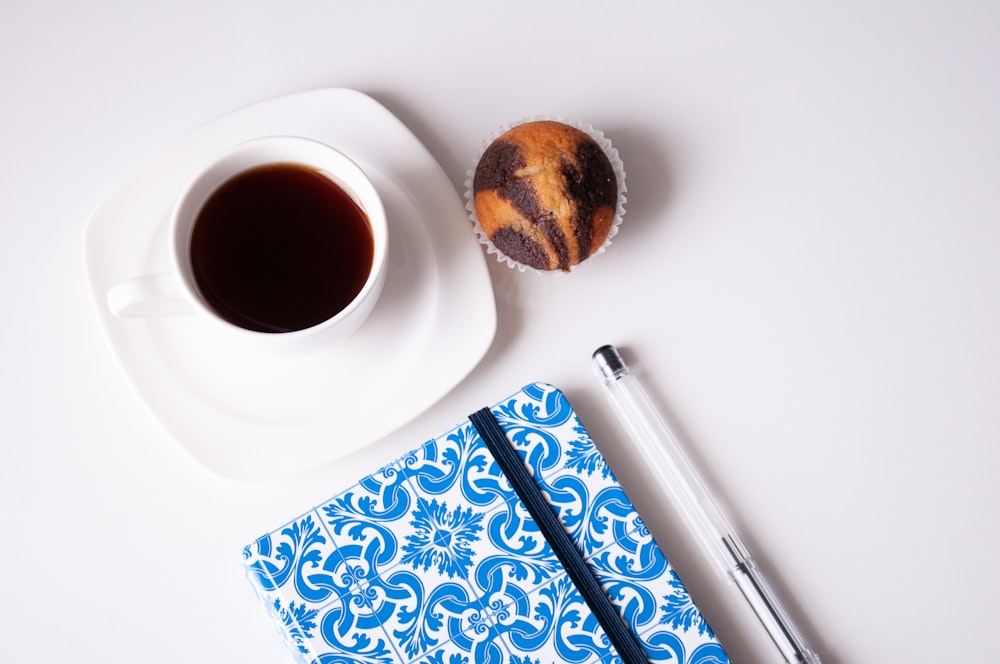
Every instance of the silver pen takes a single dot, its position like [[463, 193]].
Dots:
[[664, 456]]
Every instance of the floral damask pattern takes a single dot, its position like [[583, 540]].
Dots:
[[434, 560]]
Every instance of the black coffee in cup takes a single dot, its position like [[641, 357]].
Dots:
[[280, 248]]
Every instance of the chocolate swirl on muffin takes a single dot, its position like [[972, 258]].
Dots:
[[545, 195]]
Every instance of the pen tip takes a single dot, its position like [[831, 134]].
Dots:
[[609, 362]]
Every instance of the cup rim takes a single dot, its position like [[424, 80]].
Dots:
[[333, 164]]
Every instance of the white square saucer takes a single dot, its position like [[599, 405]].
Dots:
[[255, 416]]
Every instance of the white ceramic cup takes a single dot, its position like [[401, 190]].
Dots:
[[177, 292]]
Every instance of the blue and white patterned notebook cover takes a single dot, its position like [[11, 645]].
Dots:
[[433, 559]]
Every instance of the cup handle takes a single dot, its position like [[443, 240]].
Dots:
[[149, 295]]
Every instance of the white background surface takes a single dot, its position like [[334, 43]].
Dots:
[[807, 279]]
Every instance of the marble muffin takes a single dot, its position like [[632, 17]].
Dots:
[[545, 195]]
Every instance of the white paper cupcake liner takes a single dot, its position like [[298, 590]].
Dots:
[[616, 165]]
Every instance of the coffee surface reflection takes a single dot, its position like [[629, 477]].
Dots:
[[280, 248]]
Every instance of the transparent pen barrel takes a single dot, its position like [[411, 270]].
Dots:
[[673, 471], [675, 474]]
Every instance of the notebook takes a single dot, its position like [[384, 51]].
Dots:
[[435, 558]]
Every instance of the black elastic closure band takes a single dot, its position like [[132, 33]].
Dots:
[[569, 555]]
